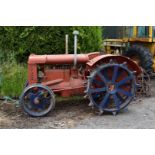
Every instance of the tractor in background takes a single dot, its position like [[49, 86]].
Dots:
[[135, 42]]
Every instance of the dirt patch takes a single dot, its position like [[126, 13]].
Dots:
[[66, 115], [76, 114]]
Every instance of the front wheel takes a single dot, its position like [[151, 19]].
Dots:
[[37, 100]]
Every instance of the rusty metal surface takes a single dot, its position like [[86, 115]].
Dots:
[[57, 59], [116, 40], [140, 39], [68, 80], [145, 84], [104, 59]]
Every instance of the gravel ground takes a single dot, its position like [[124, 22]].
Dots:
[[75, 113]]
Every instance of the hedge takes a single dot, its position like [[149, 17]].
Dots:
[[20, 41]]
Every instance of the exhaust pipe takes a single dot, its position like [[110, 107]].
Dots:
[[75, 33], [66, 44]]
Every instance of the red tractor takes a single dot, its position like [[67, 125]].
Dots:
[[109, 81]]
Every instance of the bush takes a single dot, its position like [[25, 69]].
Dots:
[[47, 40], [12, 79], [90, 38]]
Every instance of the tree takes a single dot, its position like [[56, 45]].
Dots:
[[22, 41]]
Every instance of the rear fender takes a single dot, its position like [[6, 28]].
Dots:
[[105, 59]]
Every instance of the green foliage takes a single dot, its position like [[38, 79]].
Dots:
[[90, 38], [46, 40], [12, 78]]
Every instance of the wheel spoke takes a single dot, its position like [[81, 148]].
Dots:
[[120, 97], [106, 76], [32, 97], [97, 90], [120, 74], [115, 73], [98, 82], [124, 92], [95, 96], [39, 93], [104, 102], [124, 80], [29, 95], [102, 77], [117, 101], [127, 84]]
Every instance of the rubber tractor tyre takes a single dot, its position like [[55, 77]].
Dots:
[[144, 56]]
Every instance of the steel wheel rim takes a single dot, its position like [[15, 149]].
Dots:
[[115, 88], [39, 109]]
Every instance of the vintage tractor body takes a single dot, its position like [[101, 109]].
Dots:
[[109, 81]]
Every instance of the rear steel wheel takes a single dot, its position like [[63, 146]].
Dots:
[[111, 87], [37, 100]]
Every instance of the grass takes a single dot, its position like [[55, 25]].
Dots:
[[12, 78]]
